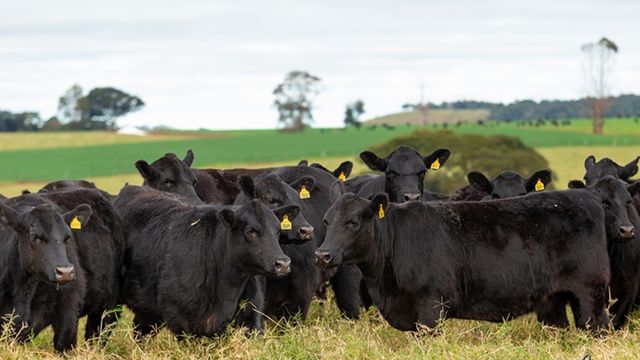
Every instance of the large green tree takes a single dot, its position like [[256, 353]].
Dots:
[[294, 99], [107, 104]]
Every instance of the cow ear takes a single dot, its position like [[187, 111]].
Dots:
[[78, 217], [307, 181], [634, 188], [247, 185], [539, 177], [589, 162], [576, 184], [373, 161], [628, 170], [378, 205], [336, 191], [436, 158], [26, 192], [9, 216], [291, 211], [188, 158], [480, 182], [343, 171], [227, 217], [303, 163], [145, 170]]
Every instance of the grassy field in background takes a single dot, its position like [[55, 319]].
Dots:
[[24, 158]]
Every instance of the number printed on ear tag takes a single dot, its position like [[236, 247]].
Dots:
[[285, 224], [304, 193]]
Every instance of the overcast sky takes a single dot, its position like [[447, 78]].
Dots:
[[214, 64]]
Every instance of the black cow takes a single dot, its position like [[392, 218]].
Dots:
[[623, 247], [67, 184], [491, 260], [597, 170], [293, 294], [342, 172], [404, 171], [217, 186], [188, 264], [507, 184], [51, 274]]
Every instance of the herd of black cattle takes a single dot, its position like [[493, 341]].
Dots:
[[198, 249]]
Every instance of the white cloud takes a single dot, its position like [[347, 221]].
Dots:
[[214, 64]]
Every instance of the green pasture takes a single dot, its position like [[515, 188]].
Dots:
[[36, 157]]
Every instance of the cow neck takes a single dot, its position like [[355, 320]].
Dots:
[[382, 249], [227, 277], [13, 277]]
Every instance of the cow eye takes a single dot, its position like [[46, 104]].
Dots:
[[606, 204], [195, 182], [351, 223], [253, 233], [325, 222], [168, 183], [38, 240]]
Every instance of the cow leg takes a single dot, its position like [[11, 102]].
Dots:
[[65, 328], [98, 321], [589, 308], [144, 325], [346, 286], [253, 297], [553, 311], [365, 296]]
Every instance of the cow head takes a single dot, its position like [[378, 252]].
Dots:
[[170, 174], [283, 199], [509, 183], [342, 172], [42, 239], [595, 171], [615, 196], [350, 229], [405, 170], [254, 234]]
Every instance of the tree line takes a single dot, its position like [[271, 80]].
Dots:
[[618, 106], [96, 110]]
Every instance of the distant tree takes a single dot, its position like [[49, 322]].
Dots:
[[107, 104], [353, 112], [24, 121], [598, 65], [67, 105], [294, 99], [52, 124]]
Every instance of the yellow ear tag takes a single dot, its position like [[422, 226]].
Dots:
[[435, 165], [342, 177], [381, 212], [539, 185], [285, 224], [75, 224], [304, 193]]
